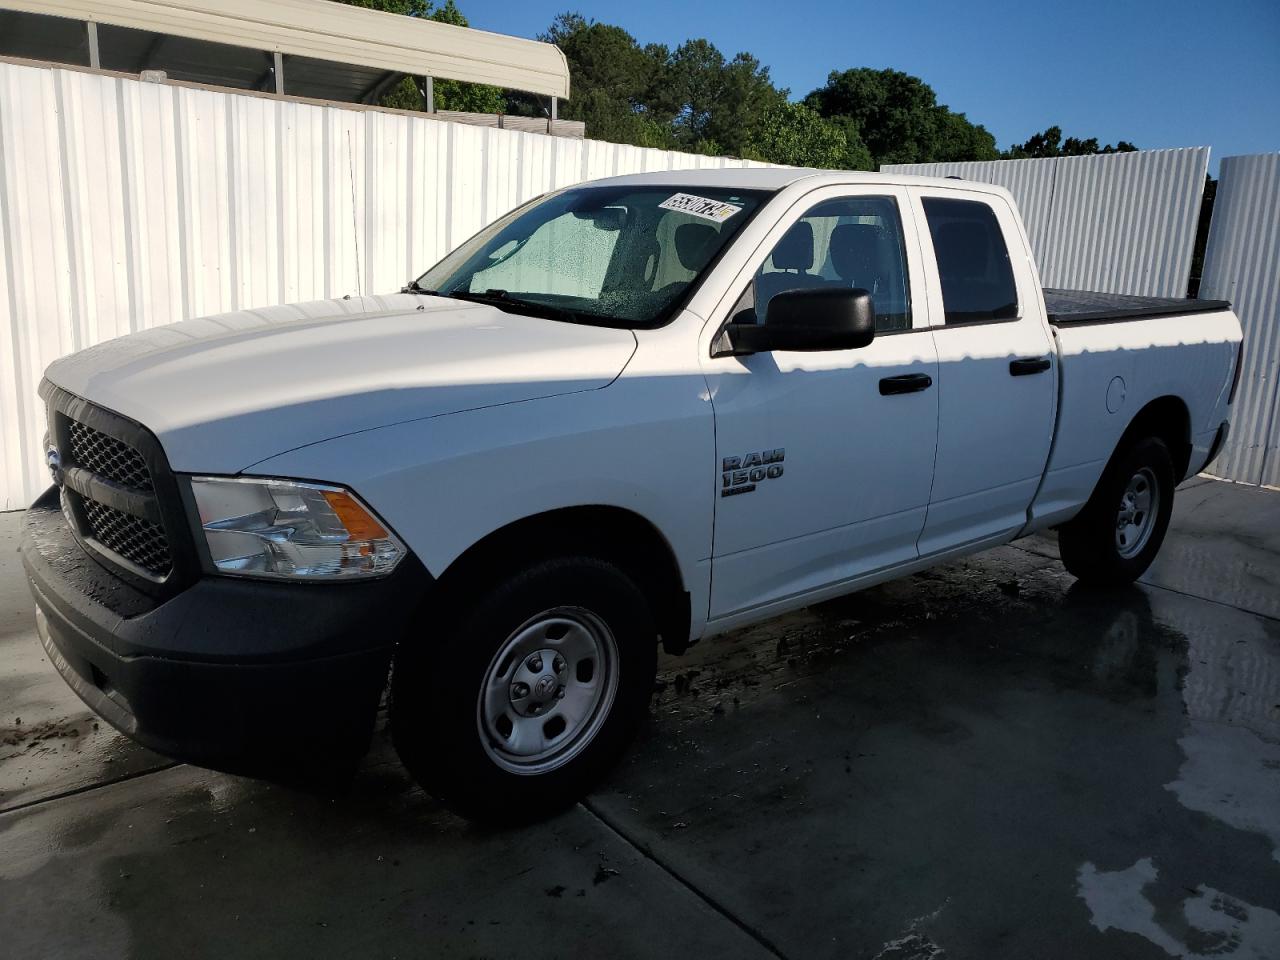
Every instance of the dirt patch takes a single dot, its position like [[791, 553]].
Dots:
[[21, 738]]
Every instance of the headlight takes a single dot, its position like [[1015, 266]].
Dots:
[[282, 528]]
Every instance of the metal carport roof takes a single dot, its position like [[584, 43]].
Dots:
[[319, 30]]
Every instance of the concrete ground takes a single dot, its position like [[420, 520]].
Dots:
[[981, 761]]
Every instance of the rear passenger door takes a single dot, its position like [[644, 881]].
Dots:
[[997, 369]]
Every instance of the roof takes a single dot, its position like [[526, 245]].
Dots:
[[775, 178], [384, 43]]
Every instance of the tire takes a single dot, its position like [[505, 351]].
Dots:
[[529, 693], [1136, 488]]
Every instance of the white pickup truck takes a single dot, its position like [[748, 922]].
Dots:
[[651, 408]]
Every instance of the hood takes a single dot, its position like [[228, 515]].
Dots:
[[224, 392]]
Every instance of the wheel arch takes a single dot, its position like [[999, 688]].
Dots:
[[621, 536], [1169, 419]]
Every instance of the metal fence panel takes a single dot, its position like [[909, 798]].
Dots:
[[1242, 264], [124, 205], [1126, 222], [1119, 223]]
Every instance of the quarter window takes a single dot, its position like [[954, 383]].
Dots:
[[852, 242], [973, 261]]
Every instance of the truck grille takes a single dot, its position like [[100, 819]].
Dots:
[[137, 540], [108, 457], [117, 491]]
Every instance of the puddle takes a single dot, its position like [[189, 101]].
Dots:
[[1206, 923]]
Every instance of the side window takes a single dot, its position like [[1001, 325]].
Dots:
[[973, 261], [852, 242]]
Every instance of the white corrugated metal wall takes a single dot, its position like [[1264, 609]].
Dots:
[[1242, 264], [124, 205], [1120, 223]]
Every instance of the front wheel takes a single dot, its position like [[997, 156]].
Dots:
[[1113, 540], [521, 703]]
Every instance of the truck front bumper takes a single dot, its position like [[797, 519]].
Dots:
[[271, 679]]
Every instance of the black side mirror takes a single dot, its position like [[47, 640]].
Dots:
[[825, 319]]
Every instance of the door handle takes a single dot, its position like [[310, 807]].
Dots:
[[907, 383], [1028, 365]]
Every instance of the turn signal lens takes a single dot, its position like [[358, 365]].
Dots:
[[358, 521]]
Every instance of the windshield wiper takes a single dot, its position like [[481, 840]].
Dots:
[[503, 299]]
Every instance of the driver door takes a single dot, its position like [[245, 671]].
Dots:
[[825, 459]]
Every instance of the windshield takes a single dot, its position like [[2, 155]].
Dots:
[[621, 256]]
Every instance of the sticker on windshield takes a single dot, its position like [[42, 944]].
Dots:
[[714, 210]]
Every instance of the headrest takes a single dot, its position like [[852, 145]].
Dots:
[[967, 245], [795, 250], [694, 243], [855, 251]]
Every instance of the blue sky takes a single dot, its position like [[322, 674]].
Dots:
[[1161, 73]]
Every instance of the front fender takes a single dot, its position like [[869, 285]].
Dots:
[[644, 444]]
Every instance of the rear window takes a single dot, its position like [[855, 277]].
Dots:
[[973, 261]]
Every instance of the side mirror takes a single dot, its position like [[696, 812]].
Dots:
[[823, 319]]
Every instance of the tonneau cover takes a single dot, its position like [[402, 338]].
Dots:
[[1087, 306]]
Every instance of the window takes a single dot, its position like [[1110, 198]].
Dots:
[[613, 255], [853, 242], [973, 261]]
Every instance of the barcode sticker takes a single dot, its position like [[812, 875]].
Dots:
[[714, 210]]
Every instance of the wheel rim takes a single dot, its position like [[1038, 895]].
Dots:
[[1136, 518], [548, 690]]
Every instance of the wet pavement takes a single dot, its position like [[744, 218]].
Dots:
[[980, 761]]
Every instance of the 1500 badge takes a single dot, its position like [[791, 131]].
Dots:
[[741, 474]]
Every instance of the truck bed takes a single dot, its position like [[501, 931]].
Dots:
[[1070, 307]]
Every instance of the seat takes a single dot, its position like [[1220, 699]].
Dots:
[[855, 255], [694, 245], [792, 260], [861, 256]]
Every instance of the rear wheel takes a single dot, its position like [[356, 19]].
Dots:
[[1115, 537], [528, 695]]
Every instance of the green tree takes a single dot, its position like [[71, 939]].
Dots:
[[613, 82], [715, 104], [793, 134], [690, 90], [899, 117], [747, 96], [695, 98], [692, 98], [1049, 143], [406, 8]]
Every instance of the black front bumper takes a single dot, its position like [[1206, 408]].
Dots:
[[277, 680]]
